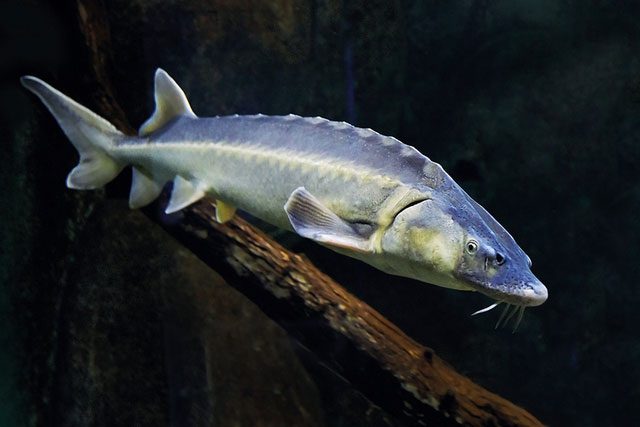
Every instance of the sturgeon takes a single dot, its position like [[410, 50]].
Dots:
[[353, 190]]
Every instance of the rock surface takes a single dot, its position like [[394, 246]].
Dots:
[[149, 335]]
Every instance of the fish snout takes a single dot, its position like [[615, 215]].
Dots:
[[535, 294]]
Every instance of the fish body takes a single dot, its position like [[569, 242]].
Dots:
[[256, 162], [353, 190]]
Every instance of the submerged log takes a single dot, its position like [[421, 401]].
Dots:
[[354, 340]]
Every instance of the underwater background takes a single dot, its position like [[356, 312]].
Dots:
[[533, 107]]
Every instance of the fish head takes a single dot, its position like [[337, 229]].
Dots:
[[452, 241], [498, 268]]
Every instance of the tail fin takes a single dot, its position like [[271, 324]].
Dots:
[[90, 134]]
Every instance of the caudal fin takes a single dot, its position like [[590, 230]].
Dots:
[[90, 134]]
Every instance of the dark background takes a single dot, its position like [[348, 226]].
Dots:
[[531, 106]]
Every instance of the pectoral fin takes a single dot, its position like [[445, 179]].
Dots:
[[311, 219], [224, 211], [183, 194]]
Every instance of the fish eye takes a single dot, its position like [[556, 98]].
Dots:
[[472, 247]]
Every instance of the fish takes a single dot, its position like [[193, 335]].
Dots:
[[353, 190]]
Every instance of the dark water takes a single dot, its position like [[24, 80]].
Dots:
[[532, 106]]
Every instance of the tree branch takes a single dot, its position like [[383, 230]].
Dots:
[[400, 375]]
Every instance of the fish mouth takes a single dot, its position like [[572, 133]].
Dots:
[[531, 293], [534, 294], [528, 294]]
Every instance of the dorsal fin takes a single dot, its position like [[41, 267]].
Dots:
[[171, 102]]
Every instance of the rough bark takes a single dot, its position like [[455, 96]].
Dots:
[[405, 378]]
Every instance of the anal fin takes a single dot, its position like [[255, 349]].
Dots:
[[183, 194], [311, 219], [224, 211], [144, 189]]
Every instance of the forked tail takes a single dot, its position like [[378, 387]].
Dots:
[[96, 141], [93, 136]]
